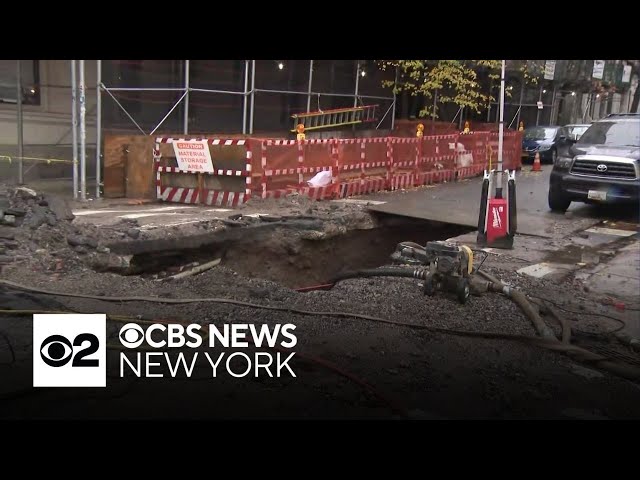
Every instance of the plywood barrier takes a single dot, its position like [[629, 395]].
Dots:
[[128, 166]]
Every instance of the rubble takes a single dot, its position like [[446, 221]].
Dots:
[[40, 228]]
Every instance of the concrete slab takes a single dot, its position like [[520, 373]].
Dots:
[[610, 231], [357, 201], [620, 277], [149, 216], [540, 270], [81, 212]]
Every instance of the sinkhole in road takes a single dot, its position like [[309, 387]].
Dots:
[[294, 256]]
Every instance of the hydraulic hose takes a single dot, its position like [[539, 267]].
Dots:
[[408, 272], [521, 300]]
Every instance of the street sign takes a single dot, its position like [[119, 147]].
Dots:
[[549, 69], [193, 155], [598, 69], [626, 74], [540, 105]]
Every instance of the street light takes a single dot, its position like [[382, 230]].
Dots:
[[362, 73], [280, 66], [573, 94], [544, 91]]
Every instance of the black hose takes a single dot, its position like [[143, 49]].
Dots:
[[408, 272]]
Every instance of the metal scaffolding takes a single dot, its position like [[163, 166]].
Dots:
[[79, 111], [248, 109], [248, 94]]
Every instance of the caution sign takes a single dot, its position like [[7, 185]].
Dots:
[[193, 155]]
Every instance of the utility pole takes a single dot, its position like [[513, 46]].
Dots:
[[501, 133]]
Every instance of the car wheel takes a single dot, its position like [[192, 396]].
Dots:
[[554, 156], [558, 202]]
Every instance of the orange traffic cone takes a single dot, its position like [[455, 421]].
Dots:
[[536, 163]]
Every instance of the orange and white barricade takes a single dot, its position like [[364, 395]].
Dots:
[[225, 181]]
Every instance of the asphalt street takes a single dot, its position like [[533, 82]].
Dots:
[[459, 203]]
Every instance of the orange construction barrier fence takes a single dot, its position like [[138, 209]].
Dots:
[[273, 168]]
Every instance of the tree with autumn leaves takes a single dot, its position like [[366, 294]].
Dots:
[[453, 81], [468, 83]]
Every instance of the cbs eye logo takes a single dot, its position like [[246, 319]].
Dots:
[[64, 345], [131, 335]]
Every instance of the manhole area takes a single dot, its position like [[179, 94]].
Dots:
[[286, 257]]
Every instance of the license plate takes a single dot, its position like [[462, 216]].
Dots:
[[597, 195]]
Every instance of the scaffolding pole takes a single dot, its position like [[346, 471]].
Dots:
[[310, 82], [20, 125], [253, 95], [98, 125], [245, 98], [74, 126], [83, 133], [520, 104], [355, 95], [186, 98], [393, 112]]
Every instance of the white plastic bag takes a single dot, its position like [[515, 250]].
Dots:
[[321, 179]]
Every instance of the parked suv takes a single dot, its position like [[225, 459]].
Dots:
[[603, 166]]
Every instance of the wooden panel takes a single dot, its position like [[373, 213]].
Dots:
[[128, 167], [115, 159], [140, 179]]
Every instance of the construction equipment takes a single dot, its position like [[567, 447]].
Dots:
[[442, 266], [497, 222], [448, 266], [335, 118]]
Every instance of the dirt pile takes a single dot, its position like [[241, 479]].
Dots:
[[38, 231]]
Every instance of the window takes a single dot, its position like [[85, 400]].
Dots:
[[30, 81], [576, 131], [624, 133], [540, 133]]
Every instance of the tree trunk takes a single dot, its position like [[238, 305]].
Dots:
[[636, 100]]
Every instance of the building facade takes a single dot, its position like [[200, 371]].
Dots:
[[258, 97]]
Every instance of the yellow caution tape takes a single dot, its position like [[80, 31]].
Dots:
[[36, 159]]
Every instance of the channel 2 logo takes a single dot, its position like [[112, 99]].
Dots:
[[69, 350]]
